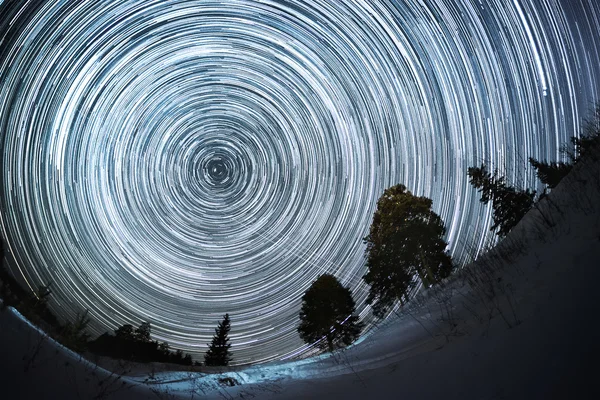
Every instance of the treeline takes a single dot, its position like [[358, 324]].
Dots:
[[136, 344], [33, 306], [126, 343]]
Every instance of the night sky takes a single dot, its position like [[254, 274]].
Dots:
[[172, 161]]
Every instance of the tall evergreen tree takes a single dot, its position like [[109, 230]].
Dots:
[[406, 239], [218, 353], [589, 138], [328, 313], [550, 173], [509, 204]]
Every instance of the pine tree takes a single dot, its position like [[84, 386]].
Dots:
[[218, 353], [550, 174], [328, 313], [406, 239], [509, 204], [589, 139]]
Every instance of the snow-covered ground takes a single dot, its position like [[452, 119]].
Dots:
[[518, 323]]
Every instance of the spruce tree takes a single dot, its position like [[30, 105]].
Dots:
[[589, 138], [218, 353], [327, 315], [550, 174], [508, 203]]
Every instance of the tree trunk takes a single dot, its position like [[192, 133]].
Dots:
[[429, 274], [423, 277]]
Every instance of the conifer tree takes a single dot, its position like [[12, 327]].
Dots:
[[509, 204], [218, 353], [550, 174]]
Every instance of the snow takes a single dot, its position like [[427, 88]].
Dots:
[[520, 322]]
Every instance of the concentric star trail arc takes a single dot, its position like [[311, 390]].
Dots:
[[173, 161]]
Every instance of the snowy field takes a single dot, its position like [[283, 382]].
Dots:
[[520, 322]]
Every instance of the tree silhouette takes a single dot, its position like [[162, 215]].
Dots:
[[74, 335], [550, 173], [589, 138], [218, 353], [328, 313], [406, 239], [125, 332], [142, 333], [136, 344], [509, 204]]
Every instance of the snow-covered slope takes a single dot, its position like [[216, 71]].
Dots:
[[518, 323]]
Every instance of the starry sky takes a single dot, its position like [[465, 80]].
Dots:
[[172, 161]]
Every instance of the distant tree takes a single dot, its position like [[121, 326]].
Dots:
[[164, 348], [406, 239], [218, 353], [42, 296], [135, 344], [508, 203], [125, 332], [178, 356], [74, 335], [328, 313], [187, 360], [142, 333]]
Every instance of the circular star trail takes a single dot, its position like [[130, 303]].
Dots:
[[171, 161]]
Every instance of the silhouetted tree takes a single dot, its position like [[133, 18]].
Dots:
[[406, 239], [328, 313], [136, 344], [589, 138], [42, 296], [187, 360], [125, 332], [550, 173], [218, 353], [74, 335], [142, 333], [178, 356], [164, 348], [508, 203]]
